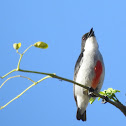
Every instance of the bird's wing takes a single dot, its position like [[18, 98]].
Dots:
[[76, 69], [77, 65]]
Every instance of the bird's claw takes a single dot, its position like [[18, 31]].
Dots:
[[91, 92]]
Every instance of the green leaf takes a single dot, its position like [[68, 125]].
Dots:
[[102, 92], [111, 91], [99, 98], [41, 45], [91, 100], [115, 91], [16, 46]]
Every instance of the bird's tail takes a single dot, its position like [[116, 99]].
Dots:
[[80, 116]]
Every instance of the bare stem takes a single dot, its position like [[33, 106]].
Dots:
[[21, 55], [18, 66], [14, 77], [9, 73]]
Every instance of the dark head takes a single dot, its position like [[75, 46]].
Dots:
[[85, 37]]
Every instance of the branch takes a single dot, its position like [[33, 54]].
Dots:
[[117, 104], [43, 45]]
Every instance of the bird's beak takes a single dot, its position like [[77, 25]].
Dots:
[[91, 33]]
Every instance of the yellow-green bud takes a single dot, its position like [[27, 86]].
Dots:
[[16, 46], [41, 45]]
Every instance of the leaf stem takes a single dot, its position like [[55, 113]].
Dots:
[[27, 49]]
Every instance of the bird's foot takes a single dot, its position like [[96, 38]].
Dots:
[[105, 99], [91, 92]]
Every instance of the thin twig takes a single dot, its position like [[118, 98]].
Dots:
[[24, 91], [9, 73], [14, 77]]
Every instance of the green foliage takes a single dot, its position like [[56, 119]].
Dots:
[[16, 46], [110, 93], [91, 100], [41, 45]]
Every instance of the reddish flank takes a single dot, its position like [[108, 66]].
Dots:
[[98, 72]]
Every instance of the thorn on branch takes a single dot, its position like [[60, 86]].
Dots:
[[105, 99]]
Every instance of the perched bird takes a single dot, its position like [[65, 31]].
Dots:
[[89, 71]]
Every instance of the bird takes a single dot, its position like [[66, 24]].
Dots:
[[89, 71]]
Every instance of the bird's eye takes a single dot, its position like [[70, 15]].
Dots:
[[83, 38]]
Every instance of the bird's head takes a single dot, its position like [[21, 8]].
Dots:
[[88, 39]]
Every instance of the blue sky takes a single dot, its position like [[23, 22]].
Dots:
[[61, 24]]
